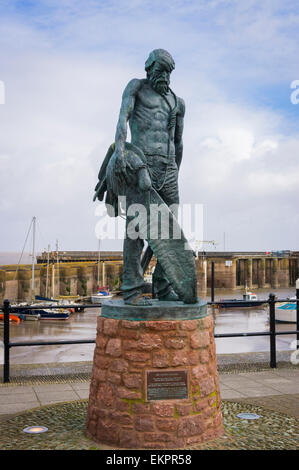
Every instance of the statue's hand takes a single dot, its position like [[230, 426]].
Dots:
[[144, 180], [120, 165], [124, 170]]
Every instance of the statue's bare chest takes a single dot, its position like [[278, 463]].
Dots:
[[150, 104]]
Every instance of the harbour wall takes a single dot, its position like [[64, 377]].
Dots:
[[254, 270], [232, 271], [59, 279]]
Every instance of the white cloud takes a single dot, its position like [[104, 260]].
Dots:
[[65, 70]]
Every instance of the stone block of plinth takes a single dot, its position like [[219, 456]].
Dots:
[[154, 381]]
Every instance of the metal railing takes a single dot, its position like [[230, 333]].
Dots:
[[271, 301], [8, 309]]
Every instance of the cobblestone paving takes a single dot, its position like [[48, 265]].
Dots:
[[66, 424]]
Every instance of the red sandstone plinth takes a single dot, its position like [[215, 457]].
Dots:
[[119, 414]]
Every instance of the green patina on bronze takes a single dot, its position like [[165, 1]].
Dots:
[[167, 310], [145, 171]]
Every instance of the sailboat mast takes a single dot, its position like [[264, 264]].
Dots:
[[58, 268], [47, 280], [33, 256], [99, 259], [53, 276]]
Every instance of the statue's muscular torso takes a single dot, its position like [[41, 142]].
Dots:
[[148, 114], [149, 121]]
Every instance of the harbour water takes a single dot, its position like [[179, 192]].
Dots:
[[238, 320], [83, 326]]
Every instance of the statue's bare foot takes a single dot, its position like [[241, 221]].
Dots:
[[139, 301], [171, 296]]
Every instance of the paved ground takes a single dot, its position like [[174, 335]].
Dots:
[[14, 399], [286, 404], [66, 430], [276, 389], [57, 396]]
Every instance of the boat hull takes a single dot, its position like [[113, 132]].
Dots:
[[239, 304], [98, 299], [29, 317], [63, 302], [14, 318], [44, 315], [57, 316], [286, 313]]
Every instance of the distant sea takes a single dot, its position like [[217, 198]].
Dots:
[[12, 257]]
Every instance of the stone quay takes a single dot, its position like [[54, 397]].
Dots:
[[77, 273]]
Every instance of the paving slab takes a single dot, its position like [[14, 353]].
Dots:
[[16, 408], [235, 380], [229, 393], [291, 374], [57, 396], [24, 398], [261, 392], [284, 389], [83, 394], [15, 390], [274, 381], [56, 401], [81, 386], [287, 404], [53, 387], [264, 373]]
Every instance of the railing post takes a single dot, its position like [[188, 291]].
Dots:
[[272, 331], [6, 341], [212, 281]]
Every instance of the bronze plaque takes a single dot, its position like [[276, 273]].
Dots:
[[167, 385]]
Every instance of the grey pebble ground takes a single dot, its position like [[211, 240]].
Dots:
[[66, 424]]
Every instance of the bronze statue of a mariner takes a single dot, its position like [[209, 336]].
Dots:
[[145, 171]]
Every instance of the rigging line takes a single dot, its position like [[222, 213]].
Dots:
[[23, 250]]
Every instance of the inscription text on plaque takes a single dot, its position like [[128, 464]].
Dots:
[[167, 385]]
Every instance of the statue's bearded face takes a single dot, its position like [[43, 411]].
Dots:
[[159, 76]]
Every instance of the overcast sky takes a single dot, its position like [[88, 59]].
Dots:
[[65, 63]]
